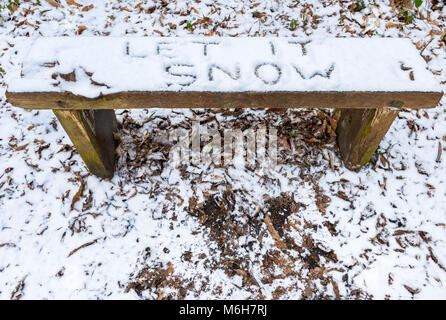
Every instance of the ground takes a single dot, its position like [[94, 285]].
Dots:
[[310, 229]]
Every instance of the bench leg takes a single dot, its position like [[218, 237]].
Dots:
[[91, 132], [359, 132]]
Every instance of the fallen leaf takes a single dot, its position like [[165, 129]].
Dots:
[[274, 232], [285, 143], [81, 29], [400, 232], [87, 8], [392, 25], [55, 3], [412, 290], [419, 44], [68, 76], [78, 194], [331, 161], [440, 148], [21, 147], [336, 289], [7, 244], [73, 3]]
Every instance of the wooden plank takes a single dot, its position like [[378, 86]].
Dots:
[[91, 66], [272, 99], [91, 132], [359, 132]]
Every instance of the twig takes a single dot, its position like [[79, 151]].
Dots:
[[82, 246]]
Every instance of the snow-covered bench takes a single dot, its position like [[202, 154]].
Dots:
[[83, 79]]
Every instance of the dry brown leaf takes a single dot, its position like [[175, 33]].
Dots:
[[73, 3], [161, 295], [285, 143], [68, 76], [87, 8], [419, 44], [21, 147], [331, 161], [78, 194], [435, 259], [17, 294], [170, 269], [336, 289], [7, 244], [392, 25], [440, 148], [81, 29], [400, 232], [274, 232], [412, 290], [51, 64], [55, 3]]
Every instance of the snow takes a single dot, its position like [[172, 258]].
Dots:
[[104, 65]]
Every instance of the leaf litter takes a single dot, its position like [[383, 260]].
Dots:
[[311, 230]]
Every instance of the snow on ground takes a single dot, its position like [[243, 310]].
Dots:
[[310, 229]]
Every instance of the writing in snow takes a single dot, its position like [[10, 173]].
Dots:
[[92, 66], [184, 73]]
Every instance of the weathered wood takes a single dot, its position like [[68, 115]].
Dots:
[[359, 132], [191, 99], [91, 132]]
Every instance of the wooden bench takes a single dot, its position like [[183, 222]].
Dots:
[[83, 79]]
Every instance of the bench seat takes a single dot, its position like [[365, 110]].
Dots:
[[84, 78]]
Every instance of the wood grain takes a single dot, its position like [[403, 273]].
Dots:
[[91, 132], [272, 99], [359, 133]]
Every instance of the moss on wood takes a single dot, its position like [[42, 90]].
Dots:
[[359, 133], [91, 132]]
